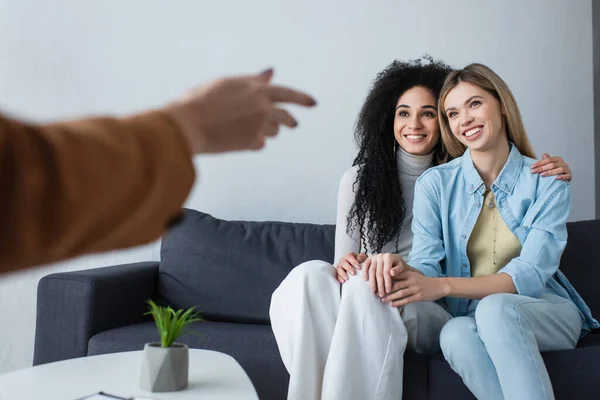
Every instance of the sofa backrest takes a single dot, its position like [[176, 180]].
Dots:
[[229, 269], [581, 261]]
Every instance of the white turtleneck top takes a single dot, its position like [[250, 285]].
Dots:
[[410, 167]]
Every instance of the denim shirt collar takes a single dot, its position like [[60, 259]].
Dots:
[[506, 180]]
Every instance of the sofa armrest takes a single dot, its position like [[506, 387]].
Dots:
[[74, 306]]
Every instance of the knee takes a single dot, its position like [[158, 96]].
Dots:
[[457, 335], [357, 287], [308, 277], [495, 313], [311, 272]]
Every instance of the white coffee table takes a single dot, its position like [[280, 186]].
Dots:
[[212, 375]]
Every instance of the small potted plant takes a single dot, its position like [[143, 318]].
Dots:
[[165, 364]]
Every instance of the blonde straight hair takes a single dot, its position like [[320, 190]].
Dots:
[[486, 79]]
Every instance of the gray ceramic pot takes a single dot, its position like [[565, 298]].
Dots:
[[164, 369]]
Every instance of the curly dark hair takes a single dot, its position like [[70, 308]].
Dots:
[[378, 198]]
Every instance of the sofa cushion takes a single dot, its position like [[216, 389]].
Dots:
[[253, 346], [444, 383], [590, 340], [416, 367], [580, 262], [229, 269]]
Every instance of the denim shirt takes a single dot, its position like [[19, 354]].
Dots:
[[447, 202]]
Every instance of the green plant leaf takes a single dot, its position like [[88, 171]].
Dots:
[[171, 323]]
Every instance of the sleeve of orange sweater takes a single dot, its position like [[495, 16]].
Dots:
[[90, 185]]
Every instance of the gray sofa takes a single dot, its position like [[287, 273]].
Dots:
[[228, 270]]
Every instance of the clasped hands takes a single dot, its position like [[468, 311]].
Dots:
[[392, 279]]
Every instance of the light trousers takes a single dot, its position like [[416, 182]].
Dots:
[[340, 341], [496, 349]]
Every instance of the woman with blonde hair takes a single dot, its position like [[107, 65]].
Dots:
[[487, 240]]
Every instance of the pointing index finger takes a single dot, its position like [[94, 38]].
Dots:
[[286, 95]]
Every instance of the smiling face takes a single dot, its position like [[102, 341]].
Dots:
[[475, 117], [416, 127]]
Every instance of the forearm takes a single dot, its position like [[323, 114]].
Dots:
[[480, 287], [88, 186]]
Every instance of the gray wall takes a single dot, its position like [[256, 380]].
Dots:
[[596, 52], [70, 57]]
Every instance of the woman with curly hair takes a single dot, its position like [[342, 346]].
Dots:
[[342, 342]]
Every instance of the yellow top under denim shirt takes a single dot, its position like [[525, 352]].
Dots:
[[448, 200], [491, 245]]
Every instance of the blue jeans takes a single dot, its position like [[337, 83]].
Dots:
[[496, 348]]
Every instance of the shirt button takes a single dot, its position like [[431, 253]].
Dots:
[[463, 236], [464, 265], [476, 204], [470, 187]]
